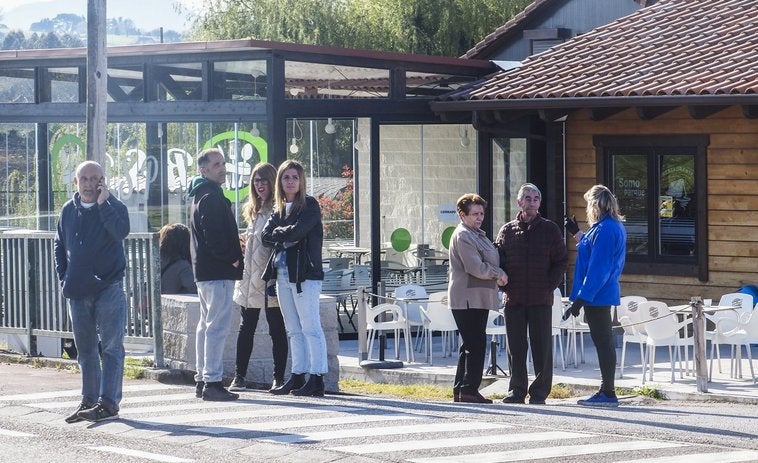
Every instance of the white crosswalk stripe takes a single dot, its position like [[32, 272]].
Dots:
[[140, 454], [426, 428], [361, 429], [549, 452], [78, 392], [11, 433], [124, 402], [456, 442], [251, 412], [726, 457], [278, 425]]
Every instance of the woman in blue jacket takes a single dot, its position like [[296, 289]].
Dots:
[[601, 252]]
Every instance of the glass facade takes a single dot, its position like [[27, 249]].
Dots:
[[255, 105], [508, 174], [18, 182]]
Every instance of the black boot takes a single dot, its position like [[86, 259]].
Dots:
[[216, 392], [296, 381], [199, 389], [313, 388]]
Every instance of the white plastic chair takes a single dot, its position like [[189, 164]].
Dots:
[[736, 337], [628, 315], [439, 317], [556, 326], [743, 303], [575, 328], [496, 328], [412, 309], [394, 320], [663, 329]]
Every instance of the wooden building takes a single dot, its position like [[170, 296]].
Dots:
[[661, 106]]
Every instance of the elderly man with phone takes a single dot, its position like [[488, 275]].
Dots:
[[90, 262]]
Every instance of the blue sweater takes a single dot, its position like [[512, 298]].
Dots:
[[599, 262], [89, 250]]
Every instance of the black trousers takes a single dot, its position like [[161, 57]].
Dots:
[[601, 332], [278, 335], [537, 322], [472, 325]]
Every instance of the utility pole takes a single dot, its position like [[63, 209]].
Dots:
[[97, 75]]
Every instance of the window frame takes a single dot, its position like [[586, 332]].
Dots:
[[652, 263]]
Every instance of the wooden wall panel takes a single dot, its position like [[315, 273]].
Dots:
[[732, 195]]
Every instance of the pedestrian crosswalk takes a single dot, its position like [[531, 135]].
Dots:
[[359, 427]]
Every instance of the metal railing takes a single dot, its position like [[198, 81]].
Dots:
[[32, 303]]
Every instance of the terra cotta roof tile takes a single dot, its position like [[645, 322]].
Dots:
[[674, 47]]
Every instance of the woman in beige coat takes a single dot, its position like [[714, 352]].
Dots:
[[475, 274], [250, 292]]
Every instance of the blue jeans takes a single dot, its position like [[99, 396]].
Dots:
[[302, 319], [212, 329], [103, 313]]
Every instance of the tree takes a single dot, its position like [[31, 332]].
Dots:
[[436, 27], [14, 40]]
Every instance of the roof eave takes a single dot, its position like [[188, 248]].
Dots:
[[593, 102]]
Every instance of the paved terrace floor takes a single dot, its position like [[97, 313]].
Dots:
[[584, 375]]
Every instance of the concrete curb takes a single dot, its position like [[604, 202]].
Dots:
[[499, 385], [492, 384]]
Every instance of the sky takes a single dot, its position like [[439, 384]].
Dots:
[[146, 14]]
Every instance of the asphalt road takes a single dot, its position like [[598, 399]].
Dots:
[[166, 423]]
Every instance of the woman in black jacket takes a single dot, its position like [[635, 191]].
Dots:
[[296, 233]]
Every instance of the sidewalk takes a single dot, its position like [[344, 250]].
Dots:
[[586, 375]]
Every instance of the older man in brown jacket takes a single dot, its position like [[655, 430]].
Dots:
[[533, 254]]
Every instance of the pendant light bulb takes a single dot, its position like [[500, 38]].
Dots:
[[329, 128], [465, 141]]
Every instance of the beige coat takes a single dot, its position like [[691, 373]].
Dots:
[[249, 292], [474, 270]]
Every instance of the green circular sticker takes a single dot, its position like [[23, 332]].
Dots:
[[257, 142], [400, 239], [446, 234]]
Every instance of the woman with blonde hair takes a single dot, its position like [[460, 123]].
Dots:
[[601, 253], [252, 293], [296, 233]]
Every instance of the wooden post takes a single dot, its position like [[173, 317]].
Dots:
[[155, 314], [698, 335], [97, 75], [361, 326]]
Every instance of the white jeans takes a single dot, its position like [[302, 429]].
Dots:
[[215, 317], [303, 323]]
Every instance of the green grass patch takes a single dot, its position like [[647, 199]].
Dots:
[[407, 391], [139, 362], [134, 372], [562, 391], [429, 392], [645, 391]]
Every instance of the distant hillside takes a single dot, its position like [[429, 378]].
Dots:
[[121, 31]]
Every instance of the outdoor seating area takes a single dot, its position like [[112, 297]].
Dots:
[[663, 333], [345, 271]]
